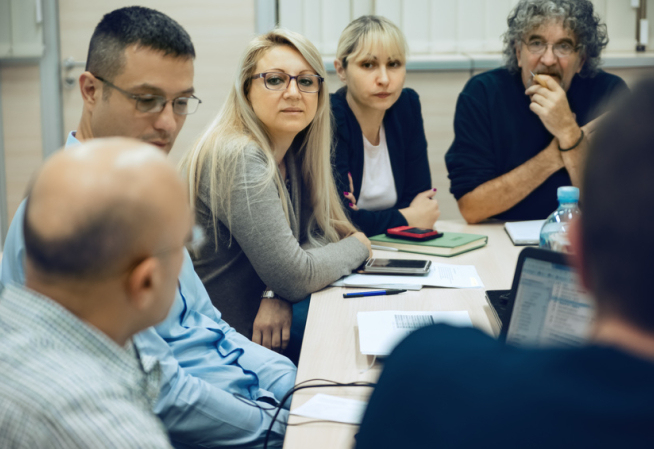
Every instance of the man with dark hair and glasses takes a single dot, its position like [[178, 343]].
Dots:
[[521, 131], [139, 83], [145, 58]]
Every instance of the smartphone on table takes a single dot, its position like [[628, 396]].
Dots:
[[413, 233], [396, 266]]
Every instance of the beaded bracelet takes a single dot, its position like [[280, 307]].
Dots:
[[575, 145]]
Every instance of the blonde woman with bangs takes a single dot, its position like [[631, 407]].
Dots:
[[381, 165], [261, 181]]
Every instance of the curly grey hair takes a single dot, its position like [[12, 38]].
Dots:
[[575, 15]]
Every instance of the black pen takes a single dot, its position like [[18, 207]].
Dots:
[[375, 293]]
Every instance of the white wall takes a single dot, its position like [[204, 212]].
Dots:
[[442, 26]]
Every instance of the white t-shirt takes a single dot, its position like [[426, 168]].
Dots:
[[378, 185]]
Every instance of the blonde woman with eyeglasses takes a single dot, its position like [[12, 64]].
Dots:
[[261, 181]]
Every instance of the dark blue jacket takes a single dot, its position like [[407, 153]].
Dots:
[[407, 150], [446, 387]]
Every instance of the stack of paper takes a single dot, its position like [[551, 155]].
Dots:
[[380, 332], [524, 232], [332, 408], [440, 275]]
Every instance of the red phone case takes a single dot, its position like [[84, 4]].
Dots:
[[401, 233]]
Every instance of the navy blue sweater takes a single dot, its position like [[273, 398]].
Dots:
[[446, 387], [407, 150], [495, 132]]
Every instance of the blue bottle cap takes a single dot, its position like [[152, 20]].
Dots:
[[568, 194]]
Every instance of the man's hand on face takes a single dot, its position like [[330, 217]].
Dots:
[[550, 104]]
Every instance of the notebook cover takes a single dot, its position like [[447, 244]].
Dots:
[[451, 244]]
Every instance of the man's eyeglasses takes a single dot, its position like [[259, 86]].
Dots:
[[281, 81], [156, 103], [560, 49]]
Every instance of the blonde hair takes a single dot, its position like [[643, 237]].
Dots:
[[362, 35], [223, 145]]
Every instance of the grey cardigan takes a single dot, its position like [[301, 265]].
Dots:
[[264, 250]]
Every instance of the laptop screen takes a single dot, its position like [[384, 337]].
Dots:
[[551, 308]]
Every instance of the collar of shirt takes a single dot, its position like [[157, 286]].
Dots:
[[72, 140]]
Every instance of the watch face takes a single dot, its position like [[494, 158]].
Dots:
[[268, 294]]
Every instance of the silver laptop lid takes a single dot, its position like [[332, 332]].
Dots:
[[551, 307]]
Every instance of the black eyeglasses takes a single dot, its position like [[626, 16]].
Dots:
[[156, 103], [560, 49], [281, 81]]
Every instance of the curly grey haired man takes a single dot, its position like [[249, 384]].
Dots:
[[521, 131]]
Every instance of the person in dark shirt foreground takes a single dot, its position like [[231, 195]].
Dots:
[[448, 387], [519, 137]]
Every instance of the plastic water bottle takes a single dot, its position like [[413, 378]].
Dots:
[[554, 233]]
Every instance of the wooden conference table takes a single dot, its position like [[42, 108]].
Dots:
[[331, 348]]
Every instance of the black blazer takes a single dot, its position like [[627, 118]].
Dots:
[[407, 150]]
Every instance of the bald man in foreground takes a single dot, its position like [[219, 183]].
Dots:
[[105, 229]]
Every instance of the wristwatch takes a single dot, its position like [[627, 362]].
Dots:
[[268, 293]]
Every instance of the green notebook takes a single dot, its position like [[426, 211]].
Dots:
[[451, 244]]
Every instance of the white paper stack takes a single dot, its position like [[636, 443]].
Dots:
[[332, 408], [524, 232], [440, 275], [380, 332]]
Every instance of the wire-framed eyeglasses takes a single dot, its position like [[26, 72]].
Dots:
[[156, 103], [560, 49], [281, 81]]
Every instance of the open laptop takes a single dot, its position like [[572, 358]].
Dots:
[[546, 306]]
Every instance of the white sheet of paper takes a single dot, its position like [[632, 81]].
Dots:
[[524, 232], [341, 283], [440, 275], [380, 332], [332, 408]]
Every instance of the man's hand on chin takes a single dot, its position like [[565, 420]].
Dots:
[[550, 104]]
